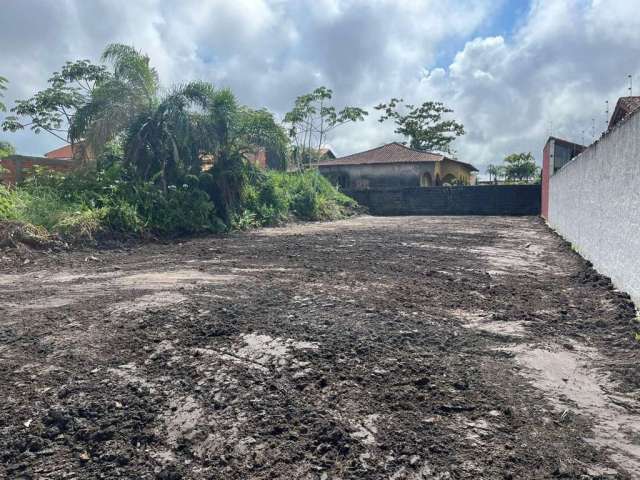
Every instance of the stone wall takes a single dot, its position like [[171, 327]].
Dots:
[[594, 203], [473, 200]]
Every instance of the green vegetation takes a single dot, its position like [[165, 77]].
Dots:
[[89, 205], [3, 87], [312, 119], [144, 149], [517, 168], [423, 125], [6, 149]]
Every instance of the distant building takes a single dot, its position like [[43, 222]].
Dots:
[[555, 155], [326, 154], [15, 167], [79, 151], [625, 107], [394, 165], [64, 159]]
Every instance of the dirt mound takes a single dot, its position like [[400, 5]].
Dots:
[[17, 234]]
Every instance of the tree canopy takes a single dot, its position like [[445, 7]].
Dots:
[[3, 88], [53, 109], [520, 167], [423, 125], [312, 118], [6, 149]]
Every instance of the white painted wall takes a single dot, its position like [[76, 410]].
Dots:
[[594, 203]]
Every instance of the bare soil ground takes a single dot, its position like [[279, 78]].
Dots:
[[382, 348]]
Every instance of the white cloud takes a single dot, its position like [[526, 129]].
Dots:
[[564, 59]]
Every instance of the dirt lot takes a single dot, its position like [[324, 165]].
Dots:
[[385, 348]]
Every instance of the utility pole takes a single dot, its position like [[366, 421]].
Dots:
[[630, 85], [606, 118], [593, 129], [582, 141]]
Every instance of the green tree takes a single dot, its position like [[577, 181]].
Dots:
[[520, 167], [258, 128], [3, 88], [6, 149], [423, 125], [165, 137], [129, 90], [495, 172], [312, 118], [53, 109]]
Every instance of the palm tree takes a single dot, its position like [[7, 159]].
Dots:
[[117, 100], [165, 137]]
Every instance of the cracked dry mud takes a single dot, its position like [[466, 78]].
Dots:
[[382, 348]]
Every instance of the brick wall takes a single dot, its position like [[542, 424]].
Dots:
[[17, 165], [471, 200]]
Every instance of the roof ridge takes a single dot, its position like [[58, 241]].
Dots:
[[366, 151], [421, 151]]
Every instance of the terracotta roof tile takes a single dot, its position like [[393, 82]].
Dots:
[[625, 107], [390, 153]]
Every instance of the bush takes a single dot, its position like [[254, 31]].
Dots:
[[312, 197], [183, 211], [86, 205]]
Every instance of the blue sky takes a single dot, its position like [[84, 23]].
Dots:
[[507, 68]]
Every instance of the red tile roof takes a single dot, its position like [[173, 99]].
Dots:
[[625, 107], [391, 153], [63, 152]]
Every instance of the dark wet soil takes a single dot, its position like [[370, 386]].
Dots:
[[381, 348]]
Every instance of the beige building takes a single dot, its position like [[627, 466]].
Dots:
[[394, 165]]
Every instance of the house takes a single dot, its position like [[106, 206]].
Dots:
[[326, 154], [395, 165], [555, 155], [625, 107], [14, 167], [64, 159]]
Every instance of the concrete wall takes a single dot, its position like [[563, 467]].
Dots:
[[474, 200], [594, 203]]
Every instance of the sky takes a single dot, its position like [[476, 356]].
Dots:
[[513, 71]]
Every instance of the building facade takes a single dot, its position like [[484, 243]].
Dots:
[[395, 166]]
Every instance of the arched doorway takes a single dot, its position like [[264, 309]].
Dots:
[[438, 182], [449, 179], [425, 180]]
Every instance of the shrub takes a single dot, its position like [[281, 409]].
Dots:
[[82, 225], [312, 197], [183, 211], [8, 201], [84, 205]]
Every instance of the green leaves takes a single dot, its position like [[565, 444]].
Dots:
[[3, 88], [53, 109], [423, 124], [6, 149], [520, 167], [313, 118]]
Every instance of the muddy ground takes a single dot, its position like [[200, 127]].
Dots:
[[382, 348]]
